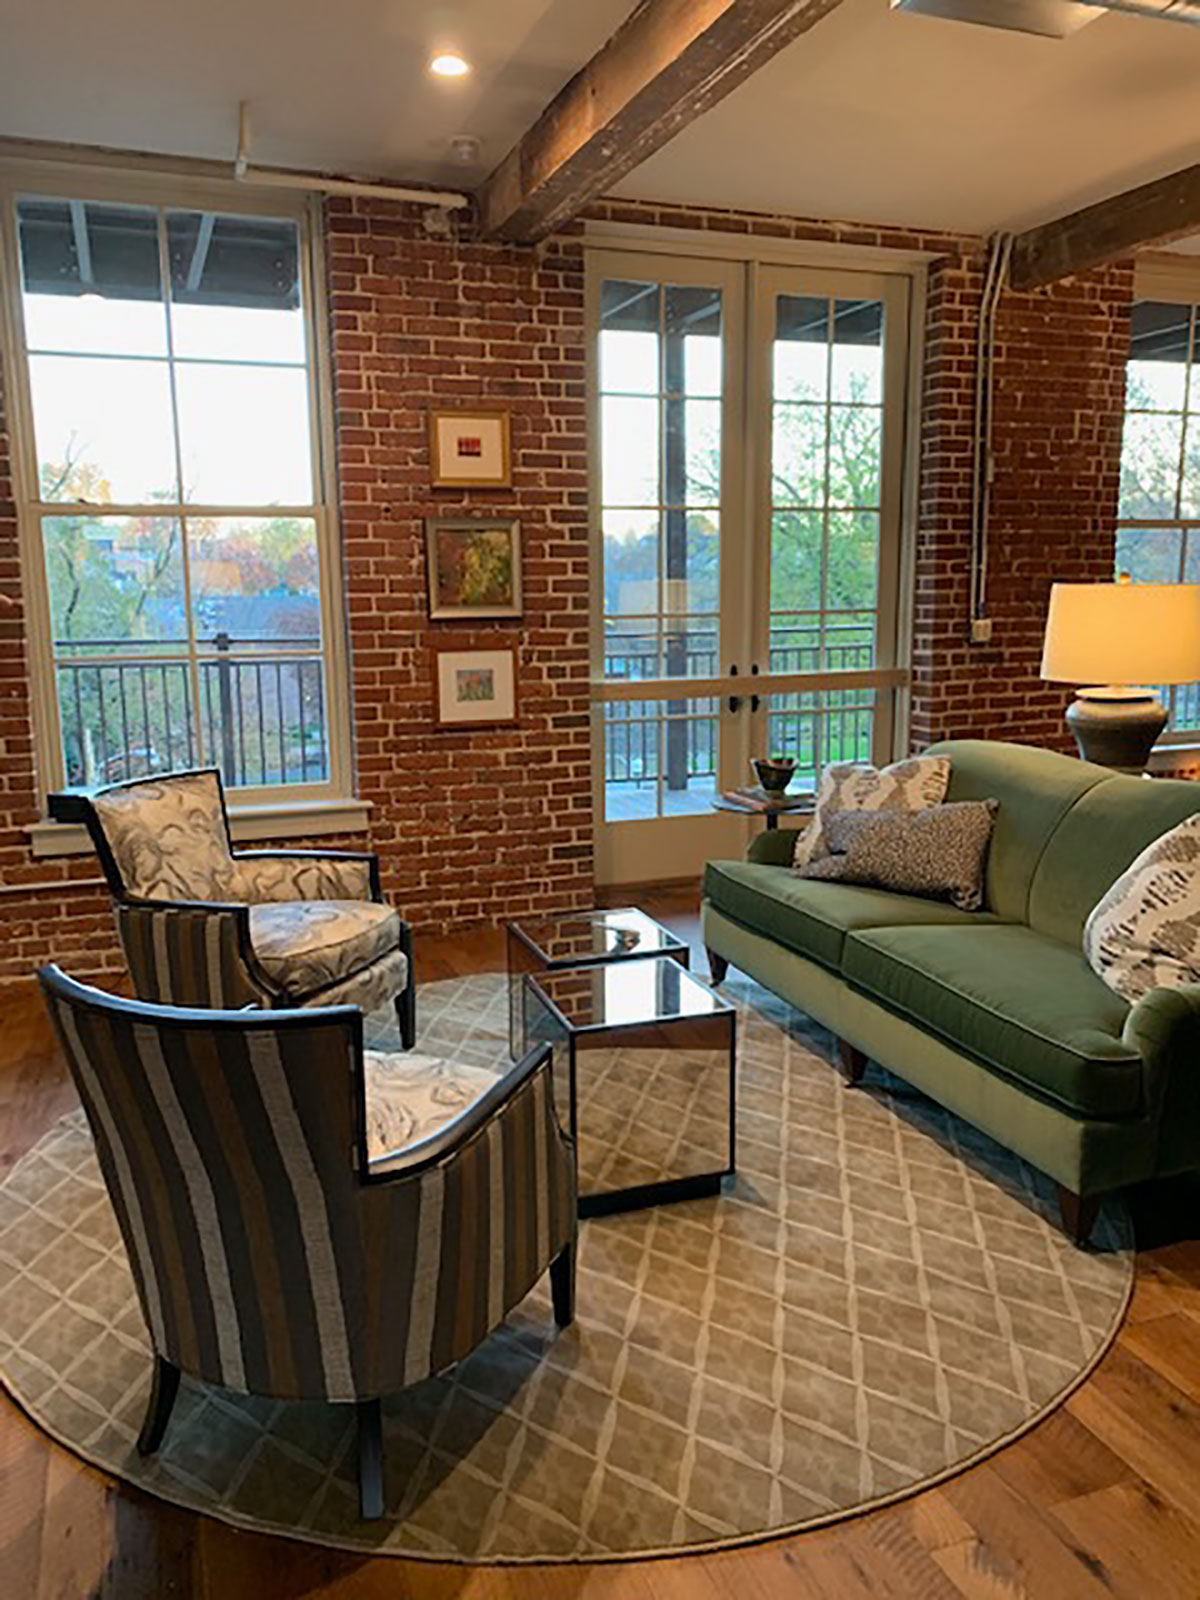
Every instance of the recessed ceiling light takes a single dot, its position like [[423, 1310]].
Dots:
[[449, 64]]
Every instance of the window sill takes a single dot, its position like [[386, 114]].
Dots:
[[292, 819]]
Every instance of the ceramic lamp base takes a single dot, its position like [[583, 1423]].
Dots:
[[1117, 732]]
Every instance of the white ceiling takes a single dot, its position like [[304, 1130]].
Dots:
[[873, 116], [884, 116]]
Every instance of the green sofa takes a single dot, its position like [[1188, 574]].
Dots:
[[995, 1013]]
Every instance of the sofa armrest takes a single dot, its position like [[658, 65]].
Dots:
[[773, 848], [192, 953], [1165, 1024]]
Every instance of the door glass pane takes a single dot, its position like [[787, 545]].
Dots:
[[235, 288], [630, 563], [91, 280], [244, 435], [660, 490], [660, 758], [857, 354], [826, 464], [629, 451], [817, 728], [103, 429], [630, 315]]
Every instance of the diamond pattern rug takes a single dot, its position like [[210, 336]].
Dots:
[[878, 1299]]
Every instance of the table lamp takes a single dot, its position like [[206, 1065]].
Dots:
[[1121, 636]]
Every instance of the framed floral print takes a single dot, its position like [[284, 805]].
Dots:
[[474, 567], [469, 449], [475, 688]]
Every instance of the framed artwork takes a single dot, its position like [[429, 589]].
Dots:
[[475, 688], [469, 449], [474, 566]]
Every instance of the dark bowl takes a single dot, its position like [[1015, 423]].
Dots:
[[774, 775]]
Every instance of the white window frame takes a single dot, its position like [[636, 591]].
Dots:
[[274, 811], [1173, 280]]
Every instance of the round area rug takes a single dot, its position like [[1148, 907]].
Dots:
[[880, 1298]]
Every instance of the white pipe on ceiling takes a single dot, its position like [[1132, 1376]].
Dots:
[[273, 177]]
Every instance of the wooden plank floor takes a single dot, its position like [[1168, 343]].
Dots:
[[1103, 1499]]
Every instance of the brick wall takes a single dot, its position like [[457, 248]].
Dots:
[[1059, 396], [472, 827]]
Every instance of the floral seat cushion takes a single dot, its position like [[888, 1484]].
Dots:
[[410, 1096], [305, 945]]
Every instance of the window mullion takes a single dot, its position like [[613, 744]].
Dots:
[[164, 257]]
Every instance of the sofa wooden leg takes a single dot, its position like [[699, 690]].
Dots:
[[851, 1062], [562, 1286], [370, 1458], [164, 1386], [1078, 1213], [406, 1016], [717, 965]]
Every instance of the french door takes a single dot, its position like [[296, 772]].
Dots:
[[747, 483]]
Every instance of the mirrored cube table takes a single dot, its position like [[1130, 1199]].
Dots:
[[580, 939], [645, 1060]]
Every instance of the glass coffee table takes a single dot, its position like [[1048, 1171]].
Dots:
[[581, 939], [645, 1058]]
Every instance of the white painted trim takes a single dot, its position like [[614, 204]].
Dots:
[[711, 242], [302, 819]]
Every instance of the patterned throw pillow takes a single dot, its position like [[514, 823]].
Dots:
[[857, 786], [1145, 932], [939, 852]]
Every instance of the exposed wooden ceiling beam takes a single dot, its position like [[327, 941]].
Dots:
[[667, 63], [1154, 213]]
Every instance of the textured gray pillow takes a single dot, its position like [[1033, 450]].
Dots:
[[939, 852]]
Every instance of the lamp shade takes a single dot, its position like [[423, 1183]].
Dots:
[[1123, 633]]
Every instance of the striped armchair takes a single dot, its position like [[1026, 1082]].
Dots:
[[203, 925], [271, 1254]]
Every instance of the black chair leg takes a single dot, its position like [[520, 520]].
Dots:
[[164, 1386], [406, 1015], [370, 1458], [562, 1286]]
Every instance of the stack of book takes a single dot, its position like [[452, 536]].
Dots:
[[756, 799]]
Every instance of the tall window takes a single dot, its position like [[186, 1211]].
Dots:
[[172, 476], [1158, 534]]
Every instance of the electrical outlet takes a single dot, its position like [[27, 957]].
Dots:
[[981, 630]]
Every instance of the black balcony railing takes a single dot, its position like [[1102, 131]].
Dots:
[[261, 715], [813, 728]]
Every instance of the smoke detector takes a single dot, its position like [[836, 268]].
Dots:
[[464, 147], [1051, 19]]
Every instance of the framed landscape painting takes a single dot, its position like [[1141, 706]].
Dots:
[[475, 688], [474, 567], [469, 449]]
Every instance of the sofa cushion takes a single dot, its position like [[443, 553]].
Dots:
[[1036, 789], [814, 918], [1024, 1005], [308, 944]]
